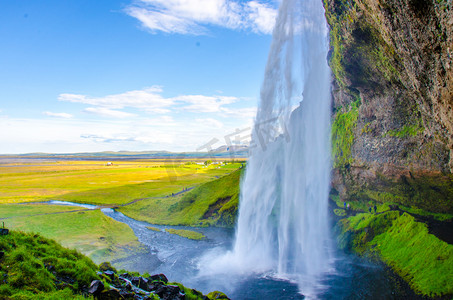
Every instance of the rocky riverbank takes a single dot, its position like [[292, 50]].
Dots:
[[129, 285]]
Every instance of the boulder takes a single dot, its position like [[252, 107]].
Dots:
[[126, 276], [155, 285], [112, 294], [217, 295], [159, 277], [140, 282], [96, 287], [106, 266], [170, 292], [110, 274]]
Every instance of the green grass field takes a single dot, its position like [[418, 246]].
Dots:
[[95, 182], [91, 232]]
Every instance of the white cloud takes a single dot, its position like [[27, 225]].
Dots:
[[261, 16], [210, 122], [74, 135], [148, 99], [204, 104], [106, 112], [193, 16], [58, 115], [244, 113]]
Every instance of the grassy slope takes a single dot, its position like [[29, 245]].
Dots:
[[35, 267], [91, 232], [190, 208], [24, 275], [423, 260], [94, 182]]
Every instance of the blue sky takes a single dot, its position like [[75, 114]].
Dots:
[[83, 75]]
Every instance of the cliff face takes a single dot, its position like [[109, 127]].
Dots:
[[392, 130]]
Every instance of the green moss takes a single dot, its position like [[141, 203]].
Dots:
[[406, 131], [190, 234], [423, 260], [336, 57], [339, 212], [366, 128], [217, 295], [342, 135]]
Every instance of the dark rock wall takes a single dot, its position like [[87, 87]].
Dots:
[[392, 122]]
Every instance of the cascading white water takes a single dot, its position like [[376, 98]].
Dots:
[[283, 226], [283, 222]]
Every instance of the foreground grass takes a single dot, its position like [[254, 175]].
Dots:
[[97, 183], [211, 203], [33, 267], [90, 232], [422, 259]]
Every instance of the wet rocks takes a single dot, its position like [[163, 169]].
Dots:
[[96, 287], [131, 286], [159, 277], [141, 283]]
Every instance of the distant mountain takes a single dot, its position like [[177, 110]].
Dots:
[[223, 151]]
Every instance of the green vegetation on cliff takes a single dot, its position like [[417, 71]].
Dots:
[[406, 131], [422, 259], [429, 193], [342, 134]]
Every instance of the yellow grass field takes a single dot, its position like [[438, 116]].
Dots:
[[99, 183], [94, 182]]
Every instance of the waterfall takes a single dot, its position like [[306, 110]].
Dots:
[[283, 226]]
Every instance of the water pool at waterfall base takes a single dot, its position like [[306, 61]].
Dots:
[[179, 259]]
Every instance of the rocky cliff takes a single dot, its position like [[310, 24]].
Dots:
[[392, 128]]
